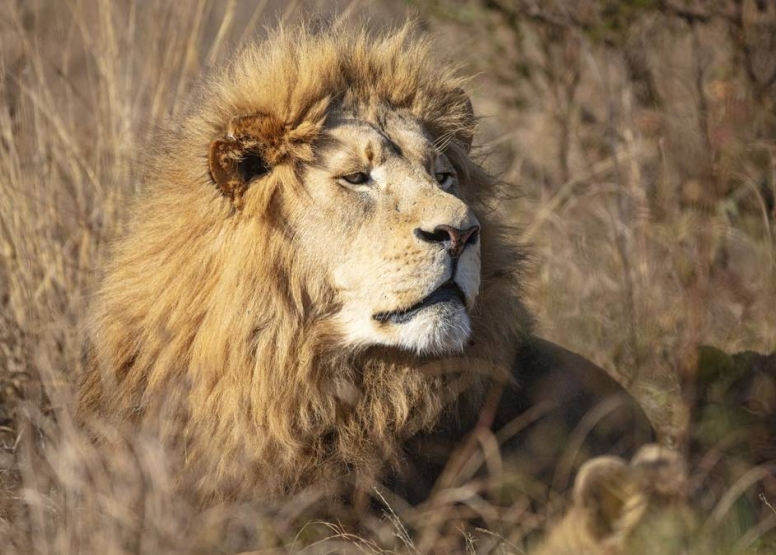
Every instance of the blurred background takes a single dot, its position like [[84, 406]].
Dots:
[[638, 138]]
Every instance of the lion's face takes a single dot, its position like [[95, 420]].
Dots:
[[382, 213]]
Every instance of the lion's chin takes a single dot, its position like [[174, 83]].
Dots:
[[441, 329], [439, 325]]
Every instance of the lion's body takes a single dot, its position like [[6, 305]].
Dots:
[[229, 320], [211, 312]]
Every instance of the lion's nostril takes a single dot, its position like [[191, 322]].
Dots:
[[452, 239], [436, 236]]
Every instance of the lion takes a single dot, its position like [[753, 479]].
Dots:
[[637, 508], [316, 282]]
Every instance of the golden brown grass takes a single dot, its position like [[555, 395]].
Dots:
[[651, 222]]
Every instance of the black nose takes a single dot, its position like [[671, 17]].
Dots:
[[454, 240]]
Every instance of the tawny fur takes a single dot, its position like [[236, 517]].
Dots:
[[211, 326], [639, 508]]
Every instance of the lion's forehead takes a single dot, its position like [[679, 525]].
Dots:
[[379, 138]]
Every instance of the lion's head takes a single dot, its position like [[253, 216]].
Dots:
[[380, 219], [303, 273]]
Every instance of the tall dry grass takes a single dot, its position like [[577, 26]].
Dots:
[[637, 257]]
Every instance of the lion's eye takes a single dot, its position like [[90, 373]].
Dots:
[[358, 178], [445, 179]]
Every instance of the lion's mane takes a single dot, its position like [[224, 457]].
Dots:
[[207, 325]]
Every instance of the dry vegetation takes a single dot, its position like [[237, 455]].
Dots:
[[642, 135]]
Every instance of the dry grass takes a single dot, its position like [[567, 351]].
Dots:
[[648, 198]]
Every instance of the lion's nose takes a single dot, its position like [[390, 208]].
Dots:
[[453, 240]]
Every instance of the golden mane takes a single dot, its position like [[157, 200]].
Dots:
[[208, 322]]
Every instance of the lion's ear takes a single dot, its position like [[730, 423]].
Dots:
[[241, 156], [607, 494]]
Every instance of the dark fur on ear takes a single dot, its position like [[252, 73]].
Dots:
[[239, 157], [232, 167], [256, 143]]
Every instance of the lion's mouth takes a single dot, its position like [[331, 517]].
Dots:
[[447, 292]]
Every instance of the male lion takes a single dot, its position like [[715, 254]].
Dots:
[[315, 285]]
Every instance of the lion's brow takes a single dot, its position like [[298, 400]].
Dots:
[[378, 127], [392, 146]]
